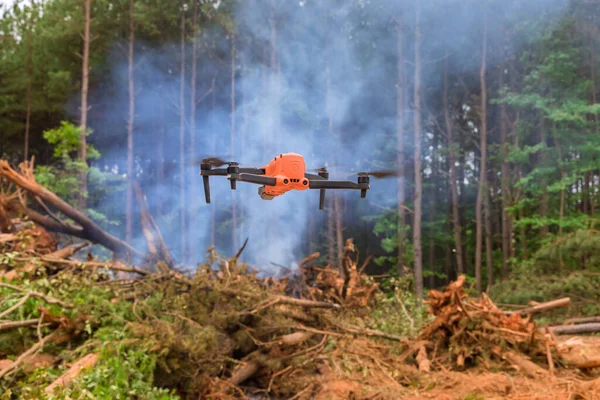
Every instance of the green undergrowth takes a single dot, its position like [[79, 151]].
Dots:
[[582, 287], [177, 337]]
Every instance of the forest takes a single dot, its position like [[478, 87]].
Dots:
[[485, 111]]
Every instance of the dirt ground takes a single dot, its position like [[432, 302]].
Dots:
[[381, 379]]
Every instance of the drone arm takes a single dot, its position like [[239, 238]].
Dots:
[[326, 184], [258, 179], [214, 172], [314, 177]]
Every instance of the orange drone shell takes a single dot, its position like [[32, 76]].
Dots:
[[289, 171]]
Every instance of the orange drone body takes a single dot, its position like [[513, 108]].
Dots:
[[289, 170]]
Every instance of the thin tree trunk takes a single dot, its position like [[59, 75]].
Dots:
[[28, 95], [544, 230], [453, 184], [592, 196], [481, 193], [193, 191], [232, 143], [401, 190], [130, 126], [182, 212], [489, 252], [85, 71], [505, 186], [418, 255], [213, 209], [331, 247], [161, 155]]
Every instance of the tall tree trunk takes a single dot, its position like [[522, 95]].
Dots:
[[505, 186], [213, 209], [481, 193], [592, 196], [418, 254], [85, 72], [193, 191], [453, 184], [544, 230], [130, 126], [489, 252], [182, 213], [28, 95], [400, 125], [161, 155], [232, 144]]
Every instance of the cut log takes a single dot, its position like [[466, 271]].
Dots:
[[541, 307], [422, 360], [581, 320], [294, 338], [72, 373], [575, 329], [525, 365], [90, 229], [68, 251], [7, 237]]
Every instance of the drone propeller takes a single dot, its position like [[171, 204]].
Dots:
[[380, 174], [212, 161]]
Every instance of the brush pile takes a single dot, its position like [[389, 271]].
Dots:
[[468, 332]]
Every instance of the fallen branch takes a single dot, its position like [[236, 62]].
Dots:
[[7, 237], [422, 360], [575, 329], [95, 264], [90, 229], [47, 299], [550, 305], [72, 373], [525, 365], [15, 306], [581, 320], [18, 324], [68, 251], [9, 369], [241, 250], [294, 338], [305, 303], [244, 372]]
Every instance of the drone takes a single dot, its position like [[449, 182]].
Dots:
[[284, 173]]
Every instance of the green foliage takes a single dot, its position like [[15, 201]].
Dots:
[[397, 311], [63, 176], [386, 226], [67, 139], [123, 372]]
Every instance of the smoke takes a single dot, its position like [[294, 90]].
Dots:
[[312, 77]]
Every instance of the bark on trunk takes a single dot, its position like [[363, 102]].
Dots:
[[29, 81], [130, 126], [418, 255], [505, 186], [232, 143], [544, 230], [481, 193], [182, 211], [193, 192], [84, 102], [400, 125], [456, 221]]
